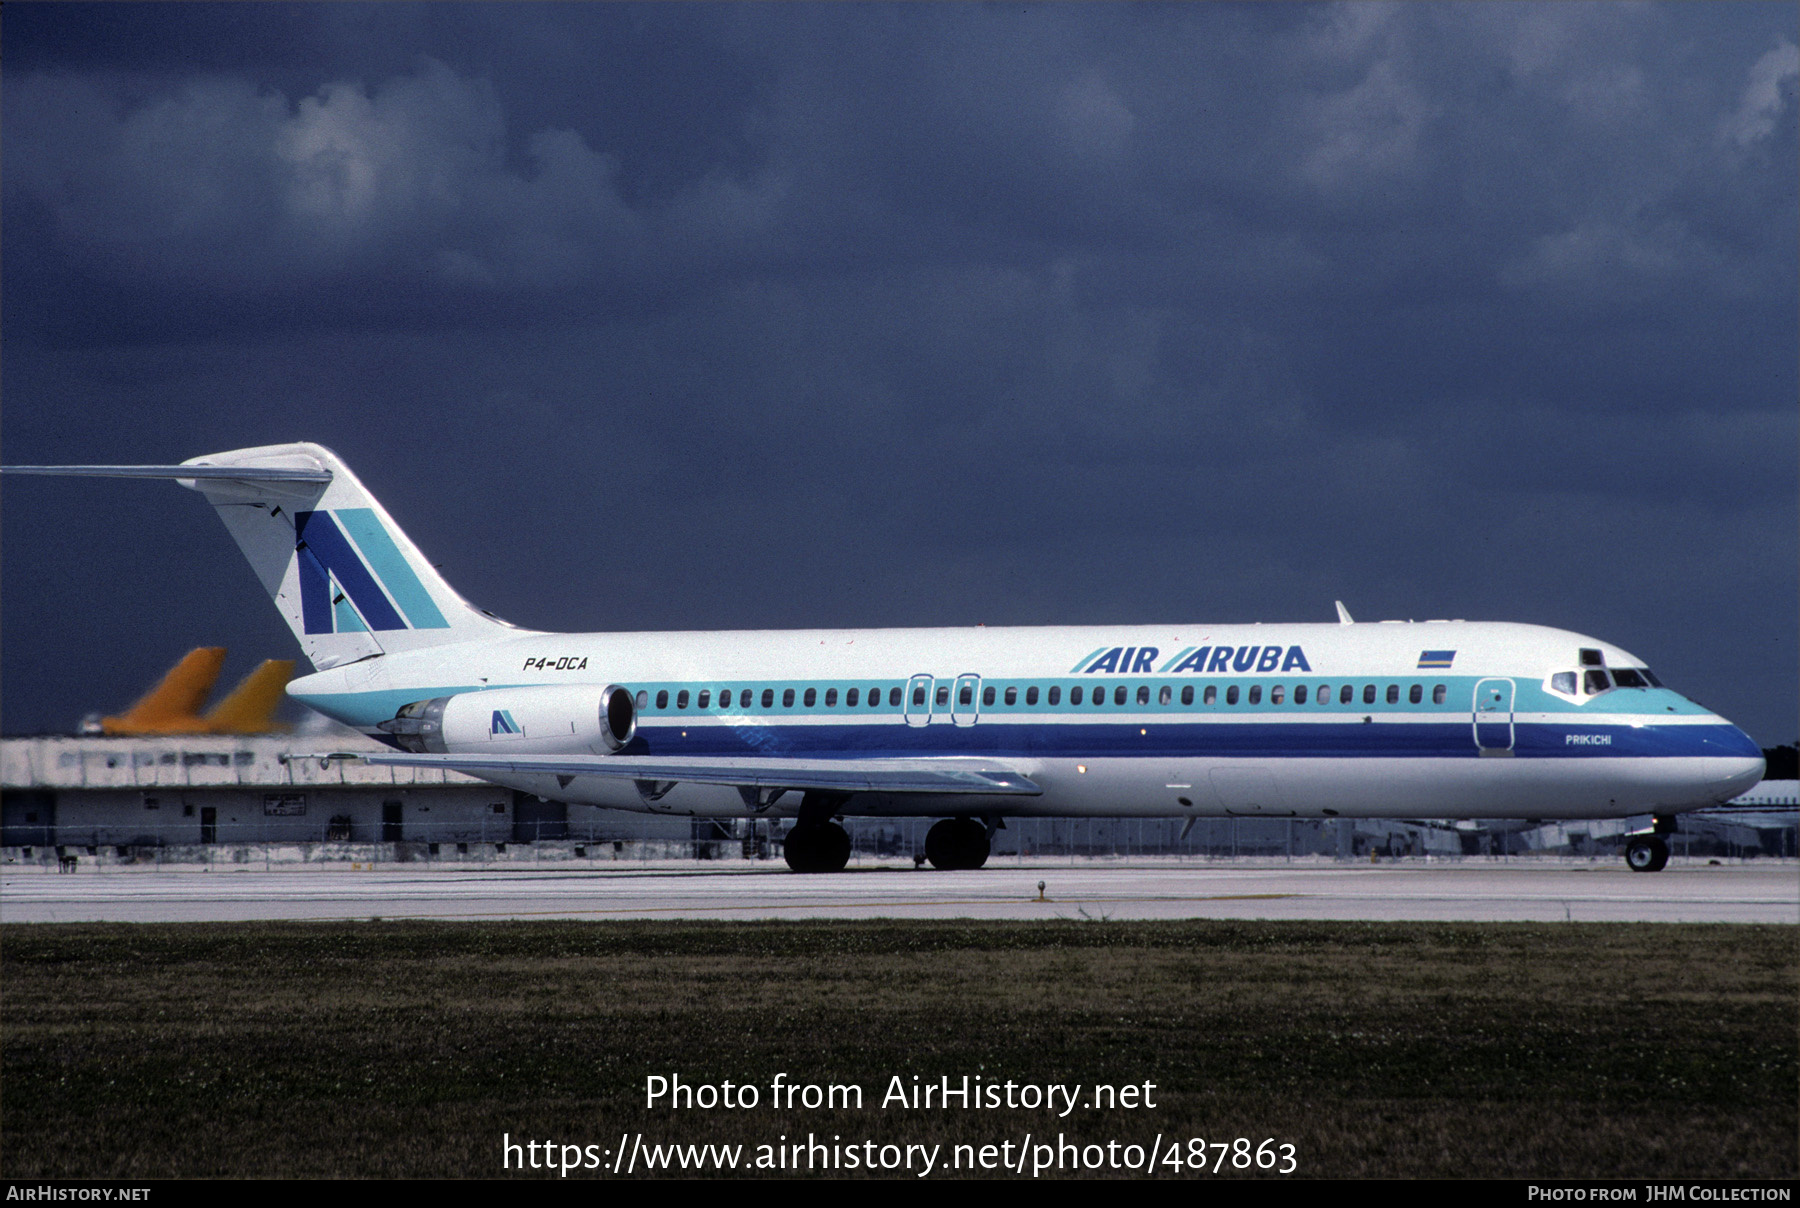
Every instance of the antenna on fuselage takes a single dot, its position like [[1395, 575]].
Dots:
[[1343, 613]]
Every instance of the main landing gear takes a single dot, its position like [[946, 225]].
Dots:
[[1650, 853], [816, 843], [957, 843]]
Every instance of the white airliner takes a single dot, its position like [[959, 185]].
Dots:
[[1439, 719]]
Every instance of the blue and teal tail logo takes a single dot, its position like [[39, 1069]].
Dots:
[[503, 723], [354, 579]]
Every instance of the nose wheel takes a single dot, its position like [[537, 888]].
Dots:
[[1646, 853]]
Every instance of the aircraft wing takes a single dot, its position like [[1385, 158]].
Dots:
[[840, 775]]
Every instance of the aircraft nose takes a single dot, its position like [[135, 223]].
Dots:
[[1735, 762]]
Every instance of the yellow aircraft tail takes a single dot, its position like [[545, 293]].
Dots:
[[250, 709], [173, 706]]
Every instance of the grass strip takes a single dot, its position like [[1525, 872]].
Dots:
[[397, 1049]]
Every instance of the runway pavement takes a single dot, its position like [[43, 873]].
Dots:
[[1761, 891]]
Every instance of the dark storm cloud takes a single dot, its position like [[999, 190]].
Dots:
[[932, 314]]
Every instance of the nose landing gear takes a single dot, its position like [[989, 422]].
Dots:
[[1650, 853], [1646, 853]]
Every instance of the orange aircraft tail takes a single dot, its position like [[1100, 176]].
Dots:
[[250, 709], [173, 706]]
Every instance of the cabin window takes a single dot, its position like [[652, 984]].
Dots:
[[811, 698], [1056, 694], [1595, 681], [643, 699], [919, 694], [1277, 694], [1256, 694], [705, 699], [1393, 694], [1143, 694], [1299, 694], [1187, 694], [1417, 694], [1075, 695], [1166, 695], [943, 694], [1119, 695], [1012, 695], [1231, 695], [1324, 694], [851, 697], [1368, 694], [1212, 694], [768, 698], [1346, 694], [1438, 693], [831, 698], [1031, 695], [966, 696], [787, 699], [987, 695], [894, 697], [662, 699], [681, 699]]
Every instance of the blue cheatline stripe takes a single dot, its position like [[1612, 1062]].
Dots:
[[391, 568], [1353, 740], [334, 554]]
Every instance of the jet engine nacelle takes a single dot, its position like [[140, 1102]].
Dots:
[[561, 720]]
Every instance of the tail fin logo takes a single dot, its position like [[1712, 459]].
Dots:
[[355, 578], [503, 723]]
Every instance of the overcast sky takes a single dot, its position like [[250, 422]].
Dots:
[[680, 316]]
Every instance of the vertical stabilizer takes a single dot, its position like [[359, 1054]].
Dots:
[[250, 709], [174, 704], [349, 583]]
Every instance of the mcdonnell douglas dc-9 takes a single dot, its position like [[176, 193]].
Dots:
[[1434, 719]]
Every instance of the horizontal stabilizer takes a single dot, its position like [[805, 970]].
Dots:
[[839, 775], [237, 473]]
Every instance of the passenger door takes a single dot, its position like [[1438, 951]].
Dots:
[[1494, 717]]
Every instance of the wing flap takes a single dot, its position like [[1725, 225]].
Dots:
[[841, 775]]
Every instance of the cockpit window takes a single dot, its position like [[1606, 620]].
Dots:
[[1629, 677], [1564, 682], [1594, 680], [1591, 658], [1651, 676]]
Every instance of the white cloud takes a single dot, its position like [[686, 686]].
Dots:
[[222, 185], [1096, 123], [1765, 96], [1367, 132]]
